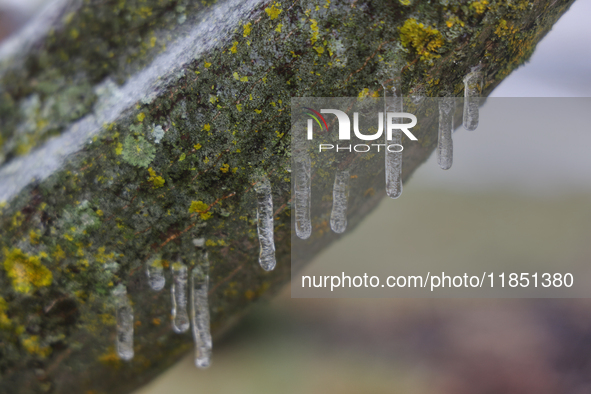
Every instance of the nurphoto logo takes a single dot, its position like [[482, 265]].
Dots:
[[393, 122]]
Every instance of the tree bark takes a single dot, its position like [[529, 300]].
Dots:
[[130, 128]]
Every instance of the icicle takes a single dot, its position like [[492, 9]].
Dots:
[[444, 140], [200, 312], [302, 190], [338, 216], [393, 168], [180, 319], [124, 317], [155, 273], [302, 175], [472, 86], [265, 224]]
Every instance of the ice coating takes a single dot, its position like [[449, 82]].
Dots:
[[393, 169], [472, 86], [124, 318], [338, 216], [200, 311], [444, 139], [180, 318], [155, 273], [265, 224]]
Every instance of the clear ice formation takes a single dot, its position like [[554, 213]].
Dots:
[[393, 168], [180, 318], [338, 216], [472, 86], [302, 172], [200, 312], [445, 144], [265, 224], [155, 273], [124, 317]]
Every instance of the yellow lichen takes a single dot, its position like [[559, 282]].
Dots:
[[224, 168], [83, 264], [505, 29], [249, 294], [110, 359], [103, 257], [107, 319], [198, 206], [314, 28], [247, 29], [58, 254], [26, 272], [34, 237], [479, 6], [31, 345], [273, 11], [5, 321], [17, 220], [144, 12], [423, 39], [454, 20], [141, 116]]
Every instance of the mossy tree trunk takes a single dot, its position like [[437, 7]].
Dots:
[[130, 128]]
